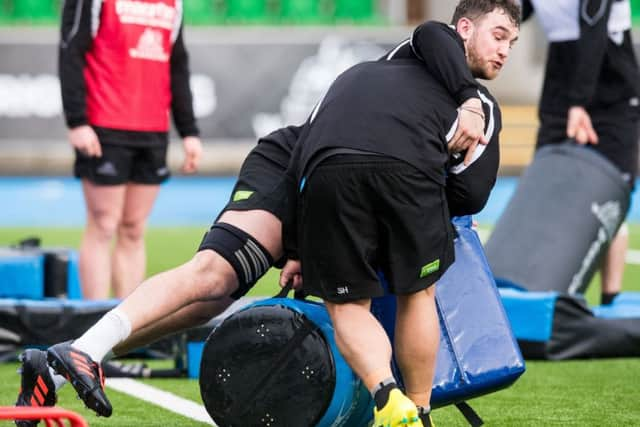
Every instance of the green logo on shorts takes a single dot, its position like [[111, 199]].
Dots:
[[241, 195], [430, 268]]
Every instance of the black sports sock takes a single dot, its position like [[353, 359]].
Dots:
[[606, 298], [381, 392], [424, 413]]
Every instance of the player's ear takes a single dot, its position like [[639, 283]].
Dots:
[[465, 27]]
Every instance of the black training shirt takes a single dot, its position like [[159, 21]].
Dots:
[[392, 108]]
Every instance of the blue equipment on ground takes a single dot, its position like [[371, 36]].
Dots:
[[29, 271], [554, 326], [21, 274]]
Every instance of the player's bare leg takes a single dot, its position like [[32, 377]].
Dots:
[[613, 263], [104, 210], [417, 338], [129, 256], [365, 346]]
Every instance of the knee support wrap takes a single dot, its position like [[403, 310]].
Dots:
[[246, 255]]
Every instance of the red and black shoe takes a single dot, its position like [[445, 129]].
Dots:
[[36, 386], [84, 374]]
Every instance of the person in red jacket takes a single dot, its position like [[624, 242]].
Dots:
[[123, 66]]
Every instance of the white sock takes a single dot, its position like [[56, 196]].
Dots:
[[58, 380], [111, 330]]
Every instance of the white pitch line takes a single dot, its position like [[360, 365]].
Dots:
[[164, 399], [632, 257]]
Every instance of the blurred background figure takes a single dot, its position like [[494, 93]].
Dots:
[[312, 78], [122, 68], [591, 94]]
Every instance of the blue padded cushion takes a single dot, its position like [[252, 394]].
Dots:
[[21, 274], [530, 313]]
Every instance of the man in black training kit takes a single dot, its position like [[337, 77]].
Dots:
[[369, 175], [591, 94], [203, 287]]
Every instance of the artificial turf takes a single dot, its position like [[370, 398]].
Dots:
[[571, 393]]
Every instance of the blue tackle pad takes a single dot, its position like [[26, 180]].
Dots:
[[478, 352]]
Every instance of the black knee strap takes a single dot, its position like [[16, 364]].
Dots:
[[246, 255]]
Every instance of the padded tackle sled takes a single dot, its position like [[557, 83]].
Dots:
[[276, 361]]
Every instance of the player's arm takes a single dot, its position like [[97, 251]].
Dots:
[[468, 190], [590, 53], [75, 41], [442, 50], [182, 103], [76, 37], [468, 186], [590, 50], [181, 96]]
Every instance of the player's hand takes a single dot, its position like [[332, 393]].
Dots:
[[579, 126], [84, 139], [292, 271], [192, 153], [470, 130]]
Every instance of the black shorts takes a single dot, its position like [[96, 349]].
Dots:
[[617, 131], [362, 215], [121, 164], [260, 183]]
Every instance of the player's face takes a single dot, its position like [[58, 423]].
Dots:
[[488, 41]]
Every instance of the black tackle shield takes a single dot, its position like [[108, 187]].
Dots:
[[567, 207]]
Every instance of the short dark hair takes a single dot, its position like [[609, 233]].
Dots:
[[473, 9]]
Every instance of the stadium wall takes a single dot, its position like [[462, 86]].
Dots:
[[247, 81]]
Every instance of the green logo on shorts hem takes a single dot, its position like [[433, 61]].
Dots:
[[241, 195], [430, 268]]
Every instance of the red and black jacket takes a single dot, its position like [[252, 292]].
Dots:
[[123, 66]]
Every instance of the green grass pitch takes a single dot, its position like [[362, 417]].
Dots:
[[575, 393]]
